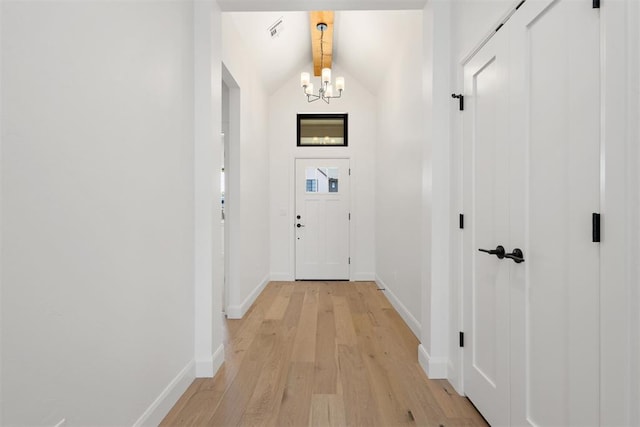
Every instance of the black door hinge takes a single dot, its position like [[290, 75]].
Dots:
[[349, 260], [349, 171], [460, 98], [461, 219], [595, 227], [349, 216], [461, 339], [596, 4]]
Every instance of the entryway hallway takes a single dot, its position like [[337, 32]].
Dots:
[[321, 354]]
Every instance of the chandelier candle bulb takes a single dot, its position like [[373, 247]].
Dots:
[[329, 91], [305, 78], [326, 75], [309, 89], [340, 83]]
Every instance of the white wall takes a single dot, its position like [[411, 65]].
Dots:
[[434, 354], [634, 116], [473, 20], [1, 192], [634, 213], [208, 259], [399, 176], [284, 104], [97, 208], [248, 178]]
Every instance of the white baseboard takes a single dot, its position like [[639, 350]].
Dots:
[[408, 318], [455, 379], [218, 359], [169, 396], [237, 311], [435, 368], [204, 368], [363, 277], [423, 359], [207, 368], [282, 277]]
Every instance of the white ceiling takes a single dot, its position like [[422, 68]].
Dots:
[[277, 5], [364, 42]]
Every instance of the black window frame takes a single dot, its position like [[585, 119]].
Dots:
[[320, 116]]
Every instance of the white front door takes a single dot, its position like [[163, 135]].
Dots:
[[532, 157], [322, 219]]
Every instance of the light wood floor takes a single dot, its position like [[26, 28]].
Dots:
[[321, 354]]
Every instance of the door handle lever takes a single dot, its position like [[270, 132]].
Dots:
[[299, 225], [517, 256], [498, 251]]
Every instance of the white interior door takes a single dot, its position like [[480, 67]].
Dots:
[[486, 170], [555, 177], [532, 164], [322, 219]]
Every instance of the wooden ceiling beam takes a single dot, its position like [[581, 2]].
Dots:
[[317, 17]]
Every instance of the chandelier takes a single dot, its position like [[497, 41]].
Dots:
[[326, 90]]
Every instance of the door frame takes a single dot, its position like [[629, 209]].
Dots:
[[292, 208]]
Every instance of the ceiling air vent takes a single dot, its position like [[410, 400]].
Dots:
[[276, 28]]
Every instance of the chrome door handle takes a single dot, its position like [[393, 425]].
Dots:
[[498, 251]]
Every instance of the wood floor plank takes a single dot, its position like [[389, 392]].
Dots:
[[327, 410], [241, 333], [236, 398], [357, 297], [296, 399], [392, 405], [419, 399], [345, 333], [453, 405], [321, 354], [360, 408], [198, 403], [326, 367], [267, 393], [304, 347], [279, 306], [291, 317]]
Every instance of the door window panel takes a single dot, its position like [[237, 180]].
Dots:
[[322, 180]]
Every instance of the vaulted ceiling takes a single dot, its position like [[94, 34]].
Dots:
[[364, 42], [289, 5]]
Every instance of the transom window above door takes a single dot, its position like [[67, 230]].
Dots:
[[322, 130]]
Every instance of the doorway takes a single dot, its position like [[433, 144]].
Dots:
[[224, 137], [322, 188], [531, 148], [229, 179]]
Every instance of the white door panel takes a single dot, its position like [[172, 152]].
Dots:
[[559, 56], [322, 213], [546, 152], [487, 333]]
